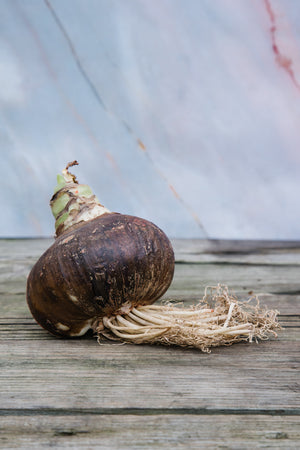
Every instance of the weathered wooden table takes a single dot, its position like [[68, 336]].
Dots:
[[77, 394]]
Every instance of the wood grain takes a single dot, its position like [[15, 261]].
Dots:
[[128, 431], [76, 393], [52, 373], [277, 284]]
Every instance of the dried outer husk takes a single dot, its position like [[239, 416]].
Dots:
[[219, 319], [73, 203]]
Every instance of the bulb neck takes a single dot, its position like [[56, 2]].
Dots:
[[73, 203]]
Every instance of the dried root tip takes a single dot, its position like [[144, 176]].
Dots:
[[219, 319]]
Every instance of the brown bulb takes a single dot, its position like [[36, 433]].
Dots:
[[99, 268], [105, 270]]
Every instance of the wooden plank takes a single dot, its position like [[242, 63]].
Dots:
[[187, 250], [12, 249], [129, 432], [190, 279], [278, 284], [233, 245], [64, 374], [27, 328], [15, 306], [274, 258], [74, 393], [17, 259], [237, 252]]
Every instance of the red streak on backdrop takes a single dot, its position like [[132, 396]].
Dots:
[[282, 60]]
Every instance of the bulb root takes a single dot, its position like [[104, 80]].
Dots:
[[219, 319]]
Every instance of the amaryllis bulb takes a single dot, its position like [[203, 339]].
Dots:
[[101, 263], [105, 270]]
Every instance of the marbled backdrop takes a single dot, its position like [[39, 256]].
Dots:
[[185, 112]]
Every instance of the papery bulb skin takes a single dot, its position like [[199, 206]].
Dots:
[[99, 267]]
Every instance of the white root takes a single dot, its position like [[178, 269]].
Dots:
[[201, 326], [229, 315]]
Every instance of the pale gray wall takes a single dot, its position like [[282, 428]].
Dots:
[[185, 112]]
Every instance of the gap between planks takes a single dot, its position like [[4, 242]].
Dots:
[[147, 411]]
